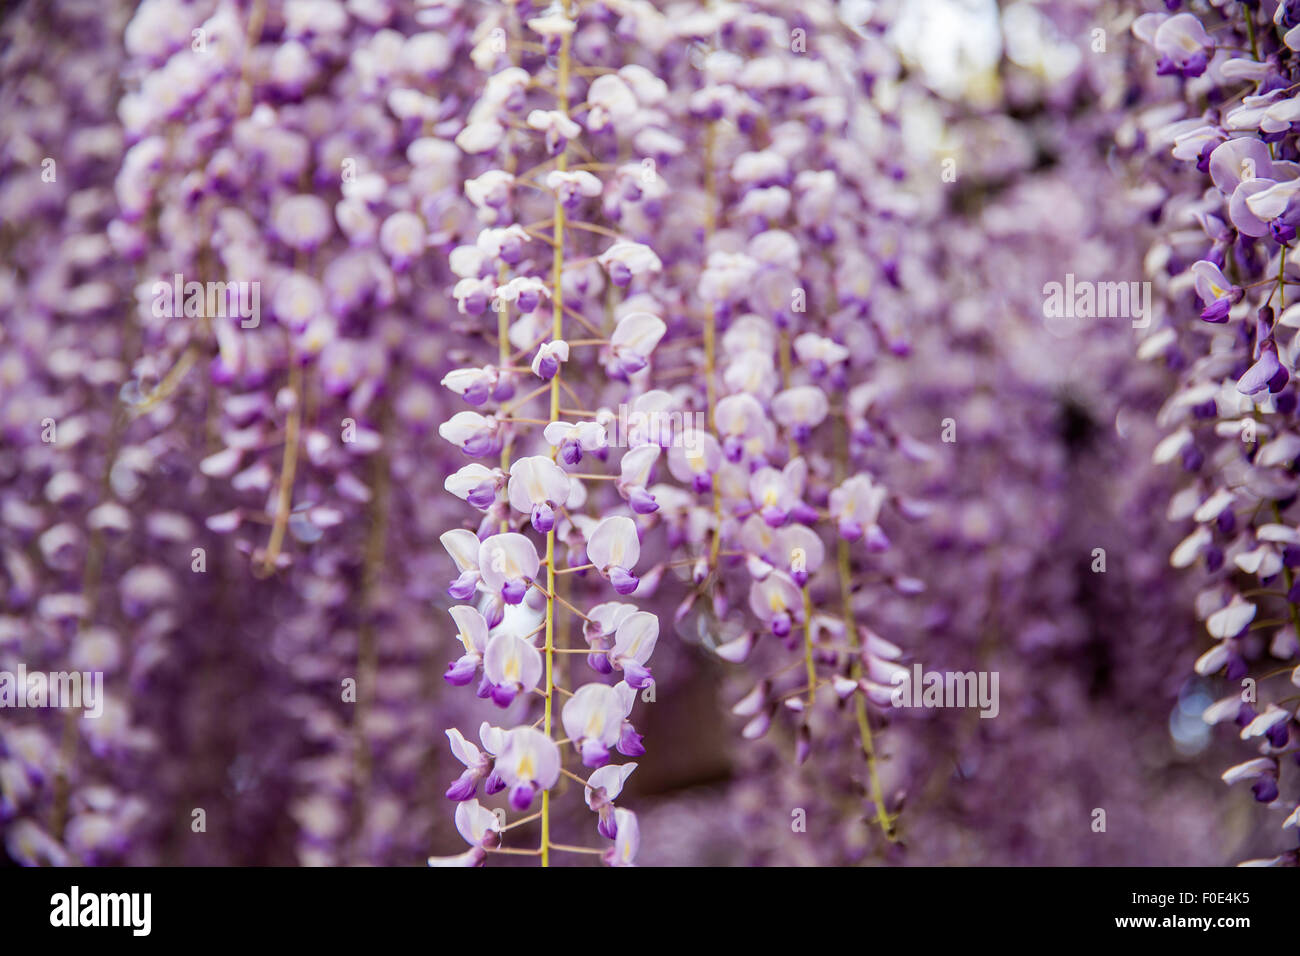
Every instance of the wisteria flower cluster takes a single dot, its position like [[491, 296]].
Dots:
[[745, 497], [556, 431], [1221, 142], [533, 196]]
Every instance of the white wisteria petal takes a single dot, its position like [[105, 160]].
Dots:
[[1231, 620], [614, 543], [472, 629]]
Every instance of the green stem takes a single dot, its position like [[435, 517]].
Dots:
[[557, 332], [851, 627]]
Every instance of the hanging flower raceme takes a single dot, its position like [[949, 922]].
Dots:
[[769, 477], [542, 309], [275, 168], [1232, 421]]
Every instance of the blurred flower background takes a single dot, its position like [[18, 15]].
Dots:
[[477, 249]]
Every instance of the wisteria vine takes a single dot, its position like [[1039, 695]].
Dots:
[[355, 353]]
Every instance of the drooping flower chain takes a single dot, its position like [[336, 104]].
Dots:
[[536, 303], [1227, 251]]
